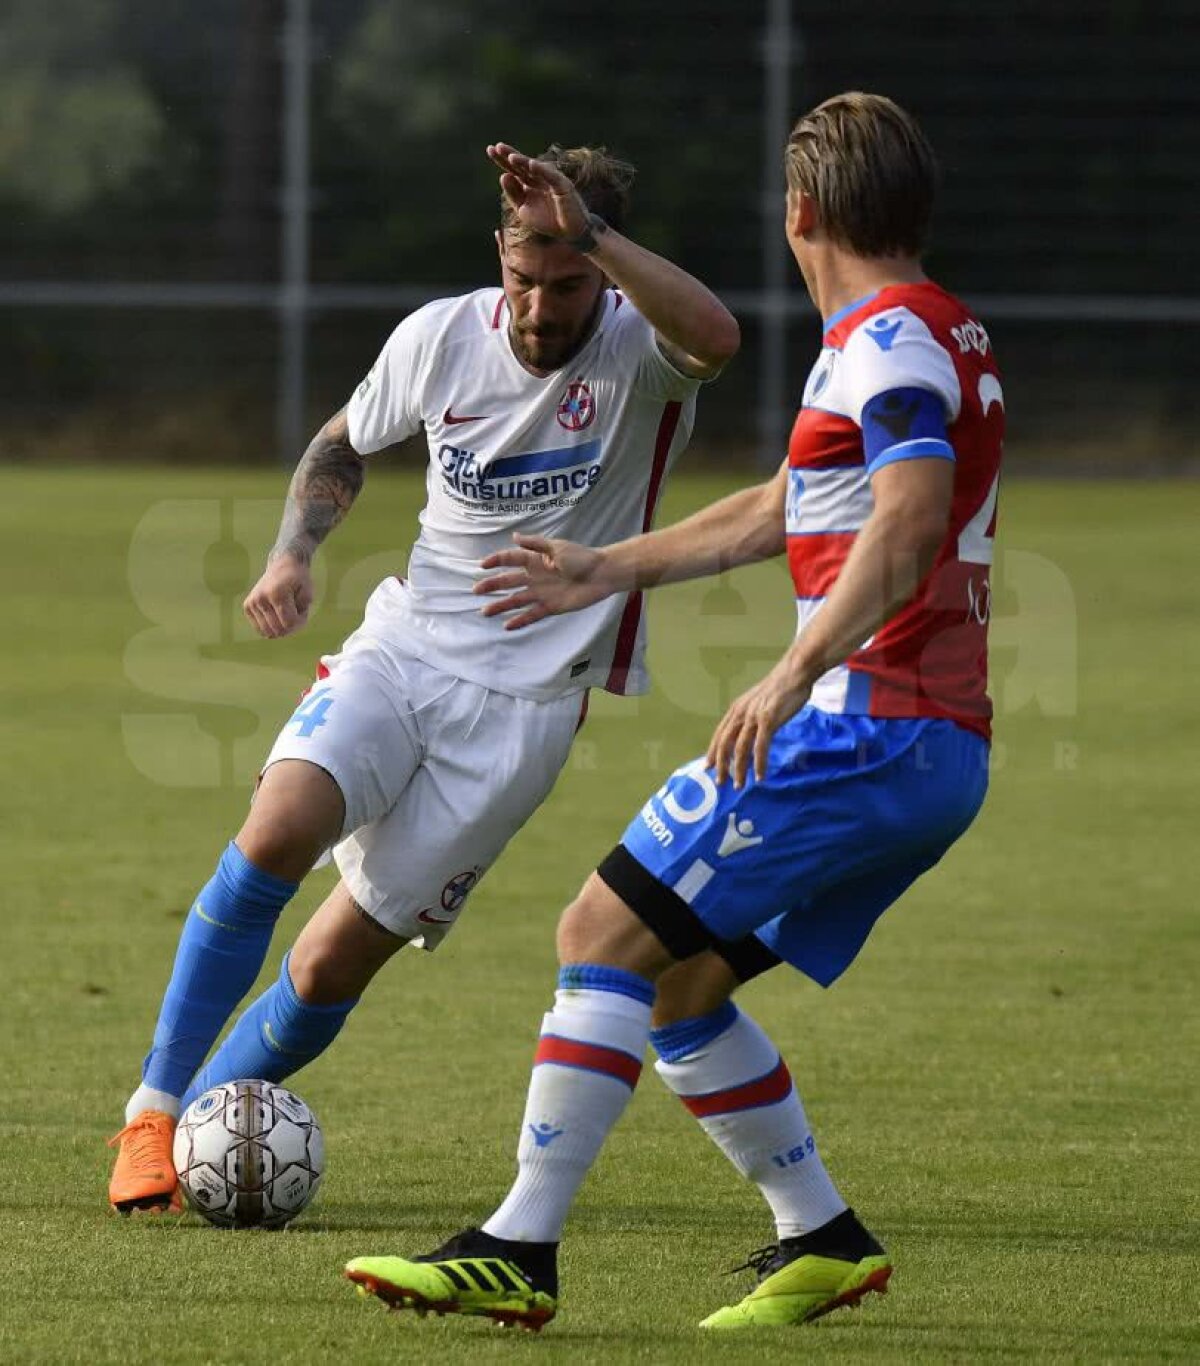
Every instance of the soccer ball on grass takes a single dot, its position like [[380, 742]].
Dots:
[[249, 1155]]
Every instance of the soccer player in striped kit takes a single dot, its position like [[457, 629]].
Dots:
[[555, 404], [827, 789]]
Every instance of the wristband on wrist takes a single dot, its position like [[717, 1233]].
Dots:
[[586, 242]]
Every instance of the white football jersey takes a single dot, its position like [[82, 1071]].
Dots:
[[581, 453]]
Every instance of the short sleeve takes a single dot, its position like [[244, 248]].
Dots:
[[896, 350], [386, 406], [653, 373]]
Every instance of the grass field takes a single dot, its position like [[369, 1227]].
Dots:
[[1005, 1084]]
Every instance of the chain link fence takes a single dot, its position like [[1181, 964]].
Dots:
[[214, 215]]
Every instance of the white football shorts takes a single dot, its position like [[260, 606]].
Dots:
[[438, 774]]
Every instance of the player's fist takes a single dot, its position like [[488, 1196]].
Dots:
[[544, 578], [278, 603]]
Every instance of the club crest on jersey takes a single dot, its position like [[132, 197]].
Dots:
[[525, 482], [821, 374], [577, 408], [456, 891]]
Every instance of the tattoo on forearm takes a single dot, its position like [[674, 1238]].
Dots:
[[327, 481]]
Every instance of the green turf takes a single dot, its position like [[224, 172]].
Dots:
[[1005, 1084]]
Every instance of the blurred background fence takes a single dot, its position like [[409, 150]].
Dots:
[[214, 213]]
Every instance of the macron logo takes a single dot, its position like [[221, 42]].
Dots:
[[738, 835], [883, 333], [544, 1134]]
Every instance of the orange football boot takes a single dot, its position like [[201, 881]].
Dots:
[[144, 1175]]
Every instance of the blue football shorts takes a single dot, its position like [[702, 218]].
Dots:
[[853, 809]]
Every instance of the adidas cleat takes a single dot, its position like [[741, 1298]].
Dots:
[[144, 1173], [802, 1279], [473, 1273]]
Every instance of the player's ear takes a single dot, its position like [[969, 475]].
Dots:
[[803, 216]]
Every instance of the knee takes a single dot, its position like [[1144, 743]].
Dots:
[[338, 952], [598, 927], [316, 975], [296, 815], [277, 849]]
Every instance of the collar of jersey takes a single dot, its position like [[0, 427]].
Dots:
[[832, 321]]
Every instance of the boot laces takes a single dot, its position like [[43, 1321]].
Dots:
[[758, 1260], [469, 1243], [144, 1145]]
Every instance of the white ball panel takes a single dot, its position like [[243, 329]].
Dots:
[[289, 1142]]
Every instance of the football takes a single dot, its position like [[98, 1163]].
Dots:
[[249, 1155]]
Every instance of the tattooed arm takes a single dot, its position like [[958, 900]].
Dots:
[[327, 481]]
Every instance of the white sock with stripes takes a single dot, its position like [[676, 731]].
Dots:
[[730, 1076], [588, 1060]]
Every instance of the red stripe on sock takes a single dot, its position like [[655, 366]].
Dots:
[[767, 1090], [593, 1057]]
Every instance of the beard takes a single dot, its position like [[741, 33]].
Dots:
[[552, 348], [547, 350]]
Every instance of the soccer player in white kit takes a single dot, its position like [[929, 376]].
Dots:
[[553, 405]]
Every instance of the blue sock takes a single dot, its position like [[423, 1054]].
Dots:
[[221, 951], [274, 1037], [674, 1041]]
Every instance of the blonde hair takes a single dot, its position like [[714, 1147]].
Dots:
[[602, 180], [871, 171]]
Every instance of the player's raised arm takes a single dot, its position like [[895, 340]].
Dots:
[[696, 331], [326, 482], [545, 577], [893, 552]]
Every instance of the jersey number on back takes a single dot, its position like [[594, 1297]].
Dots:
[[975, 545]]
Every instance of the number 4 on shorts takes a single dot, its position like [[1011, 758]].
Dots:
[[311, 712]]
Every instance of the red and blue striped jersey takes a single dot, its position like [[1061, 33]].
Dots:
[[930, 659]]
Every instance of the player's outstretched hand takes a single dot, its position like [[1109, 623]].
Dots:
[[747, 728], [542, 197], [278, 603], [544, 578]]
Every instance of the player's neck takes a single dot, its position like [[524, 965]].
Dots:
[[842, 280]]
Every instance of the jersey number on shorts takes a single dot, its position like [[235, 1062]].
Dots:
[[311, 713]]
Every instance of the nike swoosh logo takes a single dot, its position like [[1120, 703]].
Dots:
[[451, 421], [433, 919], [273, 1042], [211, 920]]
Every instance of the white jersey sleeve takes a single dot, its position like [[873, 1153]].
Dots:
[[896, 350], [653, 374], [386, 406]]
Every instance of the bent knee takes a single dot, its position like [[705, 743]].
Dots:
[[598, 927], [296, 815], [322, 975], [339, 951], [312, 969]]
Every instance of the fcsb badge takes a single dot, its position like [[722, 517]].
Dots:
[[577, 408]]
